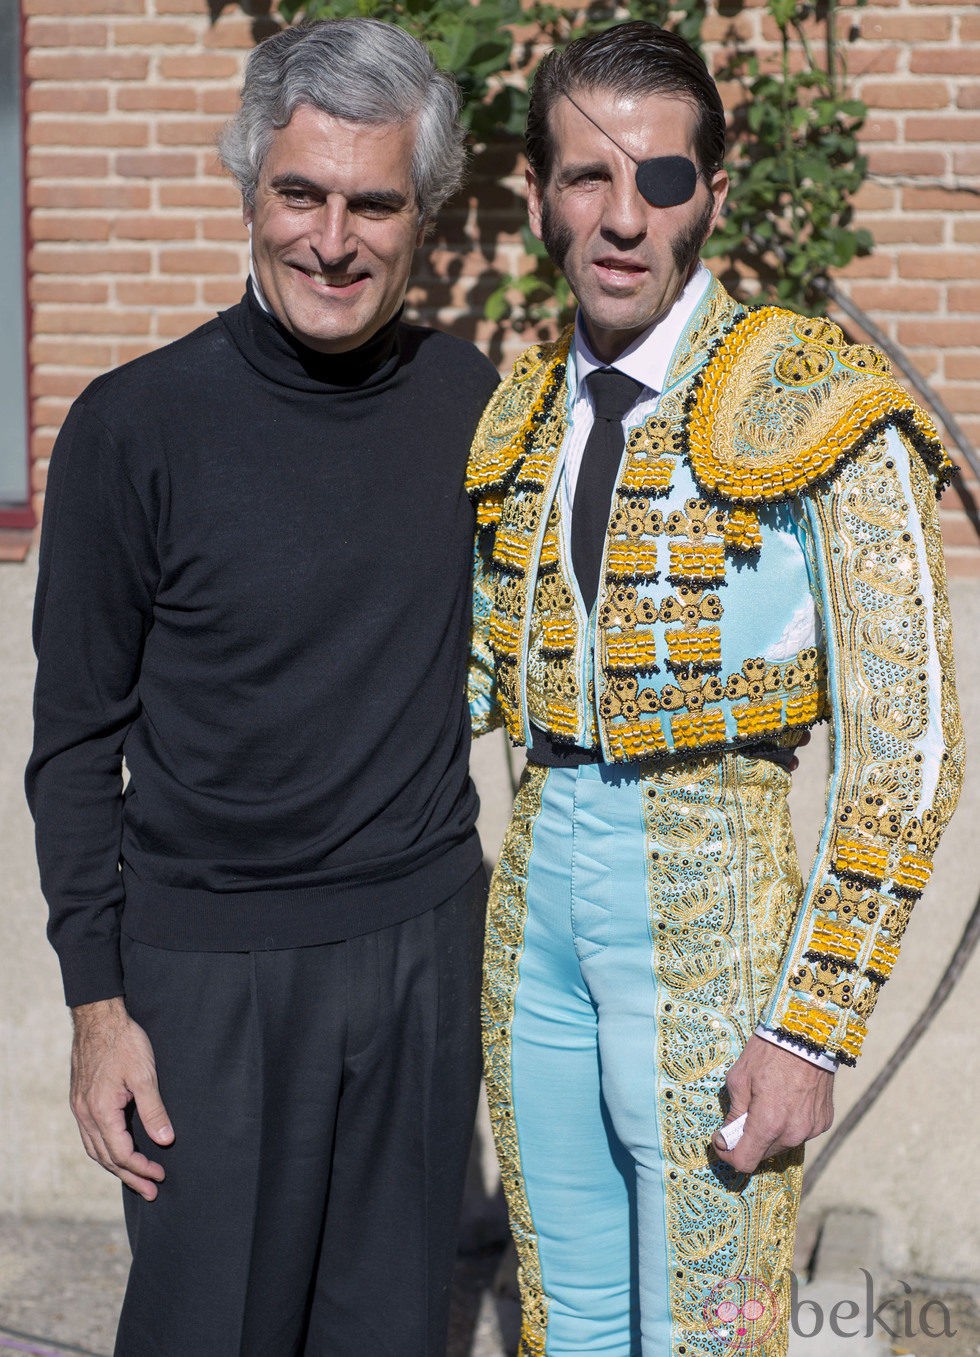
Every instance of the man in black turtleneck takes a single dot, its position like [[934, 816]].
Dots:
[[254, 589]]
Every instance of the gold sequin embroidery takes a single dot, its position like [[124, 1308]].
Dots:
[[879, 856], [723, 886], [770, 417], [506, 916]]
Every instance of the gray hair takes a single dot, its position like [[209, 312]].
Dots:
[[363, 71]]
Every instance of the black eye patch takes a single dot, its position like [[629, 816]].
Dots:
[[667, 180]]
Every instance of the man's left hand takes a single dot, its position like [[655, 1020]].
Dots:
[[788, 1100]]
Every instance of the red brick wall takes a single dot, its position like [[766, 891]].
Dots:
[[136, 234], [917, 66]]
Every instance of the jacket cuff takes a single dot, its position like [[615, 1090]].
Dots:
[[818, 1058]]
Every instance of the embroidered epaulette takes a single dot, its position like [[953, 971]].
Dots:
[[784, 401], [518, 405]]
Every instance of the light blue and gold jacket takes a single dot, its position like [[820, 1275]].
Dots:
[[772, 559]]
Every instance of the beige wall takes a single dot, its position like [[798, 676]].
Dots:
[[911, 1161]]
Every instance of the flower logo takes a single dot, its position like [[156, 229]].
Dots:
[[743, 1310]]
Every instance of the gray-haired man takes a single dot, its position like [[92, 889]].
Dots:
[[254, 589]]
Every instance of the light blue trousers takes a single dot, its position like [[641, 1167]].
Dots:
[[634, 927]]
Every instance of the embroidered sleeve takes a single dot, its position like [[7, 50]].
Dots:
[[485, 714], [514, 447], [897, 742]]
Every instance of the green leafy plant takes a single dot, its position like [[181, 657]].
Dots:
[[479, 43], [475, 42], [534, 298], [558, 23], [796, 166]]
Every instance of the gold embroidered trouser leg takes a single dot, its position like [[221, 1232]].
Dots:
[[636, 924]]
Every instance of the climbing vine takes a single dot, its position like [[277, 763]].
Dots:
[[795, 163]]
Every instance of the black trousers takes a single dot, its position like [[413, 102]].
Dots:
[[322, 1100]]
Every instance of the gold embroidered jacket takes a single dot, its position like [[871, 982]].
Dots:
[[772, 559]]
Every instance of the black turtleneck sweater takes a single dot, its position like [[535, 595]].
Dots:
[[254, 586]]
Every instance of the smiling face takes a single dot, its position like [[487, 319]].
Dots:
[[626, 261], [334, 227]]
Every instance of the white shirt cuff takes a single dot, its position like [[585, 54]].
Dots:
[[825, 1062]]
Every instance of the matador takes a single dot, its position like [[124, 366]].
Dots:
[[704, 528]]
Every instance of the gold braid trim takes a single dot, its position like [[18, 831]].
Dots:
[[784, 401], [505, 432], [722, 887], [506, 916]]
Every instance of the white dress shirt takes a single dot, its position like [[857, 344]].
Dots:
[[646, 360]]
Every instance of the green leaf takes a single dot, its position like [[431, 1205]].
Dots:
[[845, 250], [782, 11], [497, 307]]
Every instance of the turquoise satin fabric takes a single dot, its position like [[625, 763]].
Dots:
[[585, 1009]]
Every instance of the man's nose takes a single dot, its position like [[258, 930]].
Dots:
[[331, 234], [625, 214]]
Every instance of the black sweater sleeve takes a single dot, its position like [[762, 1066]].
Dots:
[[93, 611]]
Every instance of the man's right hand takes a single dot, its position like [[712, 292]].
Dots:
[[112, 1065]]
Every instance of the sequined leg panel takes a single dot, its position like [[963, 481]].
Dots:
[[724, 887], [507, 912]]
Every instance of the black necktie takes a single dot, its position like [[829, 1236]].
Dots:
[[612, 395]]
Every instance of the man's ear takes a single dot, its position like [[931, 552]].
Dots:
[[534, 195], [719, 192], [248, 212]]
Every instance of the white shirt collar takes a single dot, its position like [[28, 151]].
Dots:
[[647, 359], [259, 294]]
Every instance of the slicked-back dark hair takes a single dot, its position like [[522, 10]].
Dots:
[[634, 59]]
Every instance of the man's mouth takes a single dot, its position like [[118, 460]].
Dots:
[[625, 269], [335, 281]]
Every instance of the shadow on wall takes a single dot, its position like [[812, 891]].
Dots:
[[264, 23]]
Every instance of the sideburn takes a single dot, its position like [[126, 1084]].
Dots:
[[555, 235], [686, 247]]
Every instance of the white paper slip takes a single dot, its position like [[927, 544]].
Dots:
[[732, 1133]]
